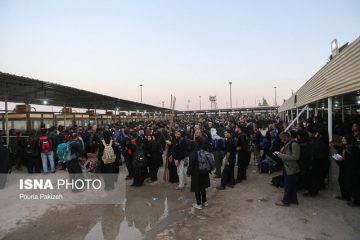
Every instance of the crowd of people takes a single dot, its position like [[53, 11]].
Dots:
[[182, 147]]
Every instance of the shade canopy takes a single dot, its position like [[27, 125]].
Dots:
[[31, 91]]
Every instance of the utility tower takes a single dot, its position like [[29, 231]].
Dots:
[[213, 102]]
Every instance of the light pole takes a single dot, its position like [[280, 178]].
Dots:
[[230, 96], [141, 92], [200, 102], [163, 103], [275, 96], [188, 104]]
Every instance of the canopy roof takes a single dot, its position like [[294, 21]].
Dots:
[[339, 77], [31, 91]]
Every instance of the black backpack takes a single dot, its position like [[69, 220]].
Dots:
[[139, 159], [90, 139], [30, 146]]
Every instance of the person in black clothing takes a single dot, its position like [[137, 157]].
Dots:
[[139, 166], [179, 155], [229, 162], [305, 160], [31, 153], [319, 167], [349, 174], [127, 150], [243, 153], [109, 170], [201, 139], [173, 176], [153, 153], [15, 149], [4, 165], [355, 128], [199, 181], [91, 139], [73, 166]]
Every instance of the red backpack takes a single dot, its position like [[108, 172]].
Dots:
[[44, 144]]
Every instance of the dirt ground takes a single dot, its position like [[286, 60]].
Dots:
[[157, 211]]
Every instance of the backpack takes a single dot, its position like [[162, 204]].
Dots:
[[64, 152], [109, 153], [139, 159], [90, 139], [13, 146], [264, 144], [30, 144], [218, 144], [44, 145], [214, 144], [268, 165], [222, 143], [206, 161]]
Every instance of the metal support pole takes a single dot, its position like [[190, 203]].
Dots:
[[275, 102], [307, 113], [95, 116], [330, 117], [350, 110], [288, 115], [7, 121], [141, 92], [200, 102], [316, 109], [64, 112], [230, 95], [297, 113], [342, 110]]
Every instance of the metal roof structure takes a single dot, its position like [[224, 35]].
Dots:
[[339, 76], [31, 91], [241, 109]]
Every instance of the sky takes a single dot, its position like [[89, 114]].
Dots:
[[188, 48]]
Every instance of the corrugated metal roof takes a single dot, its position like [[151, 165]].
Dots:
[[26, 90], [339, 76]]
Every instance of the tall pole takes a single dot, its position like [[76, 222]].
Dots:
[[7, 122], [141, 93], [163, 103], [342, 110], [275, 97], [64, 112], [95, 116], [330, 117], [230, 96], [200, 102]]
